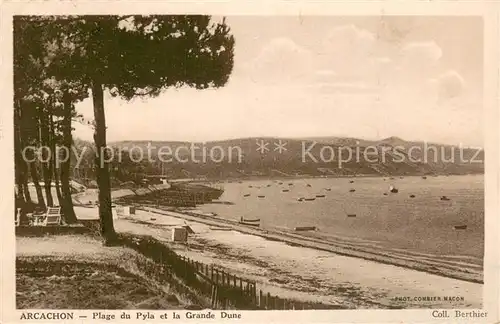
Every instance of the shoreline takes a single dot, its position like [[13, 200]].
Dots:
[[295, 271], [461, 267], [336, 176], [407, 260]]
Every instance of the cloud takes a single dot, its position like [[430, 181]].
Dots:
[[281, 60], [419, 59], [449, 85], [422, 51], [349, 51], [346, 88], [349, 37]]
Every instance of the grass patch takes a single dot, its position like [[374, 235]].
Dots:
[[78, 272]]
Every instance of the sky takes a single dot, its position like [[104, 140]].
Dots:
[[414, 77]]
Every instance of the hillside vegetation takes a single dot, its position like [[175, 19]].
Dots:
[[240, 158]]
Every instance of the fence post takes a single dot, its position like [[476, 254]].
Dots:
[[255, 293], [260, 298], [216, 296], [213, 296]]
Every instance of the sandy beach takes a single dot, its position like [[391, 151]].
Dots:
[[305, 273]]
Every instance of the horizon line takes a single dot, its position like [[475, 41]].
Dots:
[[310, 138]]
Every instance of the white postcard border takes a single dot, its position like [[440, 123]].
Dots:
[[491, 16]]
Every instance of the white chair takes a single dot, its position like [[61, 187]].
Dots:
[[18, 217], [53, 216]]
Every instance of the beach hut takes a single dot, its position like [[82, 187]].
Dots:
[[114, 212], [179, 234], [125, 210]]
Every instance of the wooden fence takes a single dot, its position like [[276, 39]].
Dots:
[[228, 291], [225, 291]]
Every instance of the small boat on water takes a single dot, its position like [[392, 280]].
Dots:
[[309, 199], [385, 194], [250, 187], [320, 196], [460, 227], [424, 177], [268, 185], [290, 184], [305, 228], [444, 198], [261, 196], [352, 190], [351, 215], [250, 222], [300, 199], [352, 181], [308, 185], [280, 183], [246, 195], [285, 190], [393, 189], [412, 196], [217, 228]]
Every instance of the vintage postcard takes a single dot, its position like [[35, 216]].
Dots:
[[250, 162]]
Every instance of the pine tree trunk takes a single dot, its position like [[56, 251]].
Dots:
[[53, 166], [47, 180], [18, 159], [46, 166], [26, 190], [22, 165], [106, 218], [67, 201], [38, 188], [57, 185], [22, 200]]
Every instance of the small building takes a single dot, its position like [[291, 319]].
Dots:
[[125, 210], [179, 234]]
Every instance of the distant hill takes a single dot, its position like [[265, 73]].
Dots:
[[307, 157]]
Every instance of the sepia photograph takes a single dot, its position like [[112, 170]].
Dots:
[[222, 163]]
